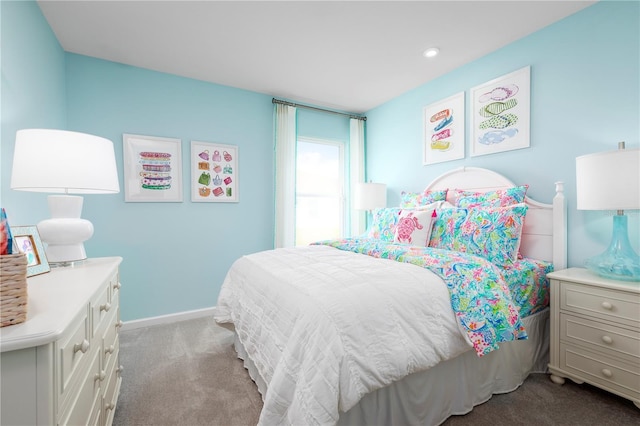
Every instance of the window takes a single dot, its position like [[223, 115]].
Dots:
[[320, 174]]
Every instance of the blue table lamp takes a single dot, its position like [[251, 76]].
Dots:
[[611, 181]]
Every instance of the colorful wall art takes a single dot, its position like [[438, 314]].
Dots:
[[443, 129], [214, 172], [500, 116], [152, 169]]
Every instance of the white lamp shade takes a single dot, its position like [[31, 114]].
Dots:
[[368, 196], [60, 161], [609, 180]]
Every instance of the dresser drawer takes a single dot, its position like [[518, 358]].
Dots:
[[615, 341], [608, 373], [73, 349], [114, 285], [608, 304], [110, 338], [100, 308], [112, 385], [86, 406]]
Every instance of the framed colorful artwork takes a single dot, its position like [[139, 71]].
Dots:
[[152, 169], [214, 173], [500, 113], [443, 130], [26, 240]]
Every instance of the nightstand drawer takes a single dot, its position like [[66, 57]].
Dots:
[[615, 341], [601, 303], [608, 373]]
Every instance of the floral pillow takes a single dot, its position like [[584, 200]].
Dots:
[[414, 226], [492, 233], [496, 198], [418, 199], [384, 222]]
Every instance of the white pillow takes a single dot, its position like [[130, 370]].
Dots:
[[414, 226]]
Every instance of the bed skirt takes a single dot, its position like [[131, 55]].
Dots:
[[452, 387]]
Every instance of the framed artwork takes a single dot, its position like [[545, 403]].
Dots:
[[152, 169], [500, 113], [444, 130], [26, 240], [214, 173]]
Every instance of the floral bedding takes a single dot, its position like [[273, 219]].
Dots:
[[480, 295]]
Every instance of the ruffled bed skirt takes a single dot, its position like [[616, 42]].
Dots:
[[452, 387]]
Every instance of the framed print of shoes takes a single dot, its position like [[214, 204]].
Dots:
[[500, 113], [443, 130]]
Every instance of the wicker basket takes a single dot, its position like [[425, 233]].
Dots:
[[13, 289]]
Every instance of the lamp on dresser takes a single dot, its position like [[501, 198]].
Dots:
[[611, 181], [66, 163]]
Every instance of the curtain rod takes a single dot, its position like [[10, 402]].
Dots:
[[278, 101]]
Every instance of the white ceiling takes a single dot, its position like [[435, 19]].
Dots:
[[344, 55]]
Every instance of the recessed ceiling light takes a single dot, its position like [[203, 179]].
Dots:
[[431, 52]]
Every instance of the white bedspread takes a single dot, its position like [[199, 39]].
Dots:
[[325, 326]]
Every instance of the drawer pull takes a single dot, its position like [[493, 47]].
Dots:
[[608, 340], [117, 286], [119, 324], [99, 376], [606, 372], [105, 307], [109, 350], [606, 305], [109, 406], [120, 369], [82, 347]]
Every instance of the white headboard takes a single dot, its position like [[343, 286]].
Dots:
[[544, 235]]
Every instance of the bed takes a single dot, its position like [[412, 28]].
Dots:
[[371, 331]]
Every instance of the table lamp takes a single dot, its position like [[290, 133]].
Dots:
[[611, 181], [64, 162], [369, 195]]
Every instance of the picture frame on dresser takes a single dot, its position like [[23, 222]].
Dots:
[[26, 240], [152, 169]]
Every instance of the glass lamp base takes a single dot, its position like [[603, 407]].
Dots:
[[619, 261]]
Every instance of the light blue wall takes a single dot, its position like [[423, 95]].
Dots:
[[176, 254], [33, 94], [585, 97], [320, 125]]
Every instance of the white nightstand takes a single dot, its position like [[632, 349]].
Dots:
[[595, 332]]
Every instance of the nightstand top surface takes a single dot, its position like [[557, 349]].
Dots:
[[584, 276]]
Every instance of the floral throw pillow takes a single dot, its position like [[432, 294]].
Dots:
[[492, 233], [383, 225], [418, 199], [414, 226], [496, 198]]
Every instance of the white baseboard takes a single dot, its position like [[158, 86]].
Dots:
[[166, 319]]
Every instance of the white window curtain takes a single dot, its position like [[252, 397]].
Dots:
[[285, 167], [356, 173]]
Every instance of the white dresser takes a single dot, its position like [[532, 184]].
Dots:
[[60, 367], [595, 332]]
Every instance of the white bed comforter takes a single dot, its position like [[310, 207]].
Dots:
[[325, 326]]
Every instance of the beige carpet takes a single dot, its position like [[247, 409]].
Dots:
[[188, 374]]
